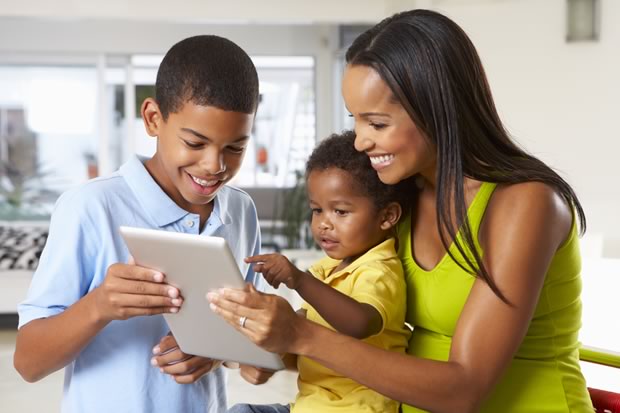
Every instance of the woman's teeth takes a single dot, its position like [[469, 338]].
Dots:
[[380, 159]]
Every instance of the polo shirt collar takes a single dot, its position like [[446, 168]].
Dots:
[[380, 252], [162, 209], [222, 207]]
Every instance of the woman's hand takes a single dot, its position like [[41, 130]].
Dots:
[[184, 368], [268, 320]]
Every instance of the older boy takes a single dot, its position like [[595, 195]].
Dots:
[[86, 311]]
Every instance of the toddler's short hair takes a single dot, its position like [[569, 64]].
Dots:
[[338, 151]]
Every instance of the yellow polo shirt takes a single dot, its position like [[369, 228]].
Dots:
[[376, 278]]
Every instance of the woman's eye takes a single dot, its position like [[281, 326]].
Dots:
[[378, 126]]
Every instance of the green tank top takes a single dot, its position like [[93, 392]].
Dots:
[[544, 375]]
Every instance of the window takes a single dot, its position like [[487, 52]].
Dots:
[[47, 135], [62, 124], [284, 132]]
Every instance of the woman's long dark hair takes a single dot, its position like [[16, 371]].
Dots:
[[434, 71]]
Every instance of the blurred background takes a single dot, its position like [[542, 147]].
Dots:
[[74, 73]]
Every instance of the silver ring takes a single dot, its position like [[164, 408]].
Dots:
[[242, 321]]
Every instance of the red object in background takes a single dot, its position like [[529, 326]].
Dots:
[[92, 170], [605, 401], [261, 156]]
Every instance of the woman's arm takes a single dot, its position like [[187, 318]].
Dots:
[[523, 227], [343, 313]]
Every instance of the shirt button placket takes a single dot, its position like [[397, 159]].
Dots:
[[189, 223]]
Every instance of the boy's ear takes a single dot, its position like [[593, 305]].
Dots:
[[390, 215], [151, 115]]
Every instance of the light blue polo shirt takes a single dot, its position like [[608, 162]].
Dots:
[[113, 373]]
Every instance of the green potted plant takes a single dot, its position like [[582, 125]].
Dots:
[[21, 193]]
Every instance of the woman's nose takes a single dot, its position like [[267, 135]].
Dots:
[[363, 143]]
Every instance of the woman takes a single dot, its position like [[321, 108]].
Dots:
[[490, 249]]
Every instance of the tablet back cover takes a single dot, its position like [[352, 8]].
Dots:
[[198, 264]]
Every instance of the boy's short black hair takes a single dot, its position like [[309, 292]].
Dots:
[[206, 70], [338, 151]]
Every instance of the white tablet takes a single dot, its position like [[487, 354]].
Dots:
[[197, 264]]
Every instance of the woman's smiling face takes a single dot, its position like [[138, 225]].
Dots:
[[385, 131]]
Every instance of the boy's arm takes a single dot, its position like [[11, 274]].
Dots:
[[48, 344], [45, 345]]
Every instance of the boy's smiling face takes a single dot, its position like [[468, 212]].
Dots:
[[199, 149]]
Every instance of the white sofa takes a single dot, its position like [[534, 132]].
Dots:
[[21, 243]]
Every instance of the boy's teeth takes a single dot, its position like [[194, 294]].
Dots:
[[381, 159], [202, 182]]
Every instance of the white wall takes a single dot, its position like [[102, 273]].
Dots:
[[236, 11], [560, 100], [21, 38], [28, 34]]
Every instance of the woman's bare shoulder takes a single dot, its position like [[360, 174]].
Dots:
[[530, 203]]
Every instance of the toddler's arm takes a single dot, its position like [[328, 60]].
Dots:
[[342, 312]]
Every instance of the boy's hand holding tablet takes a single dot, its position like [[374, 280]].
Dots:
[[184, 368], [196, 264], [130, 290]]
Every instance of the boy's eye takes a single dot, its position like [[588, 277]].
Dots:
[[315, 211], [341, 212], [193, 145], [236, 149]]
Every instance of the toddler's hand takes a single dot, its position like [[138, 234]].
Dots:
[[255, 375], [129, 291], [184, 368], [276, 269]]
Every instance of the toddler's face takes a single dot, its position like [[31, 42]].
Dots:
[[199, 149], [345, 223]]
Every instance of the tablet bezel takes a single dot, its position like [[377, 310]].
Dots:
[[197, 264]]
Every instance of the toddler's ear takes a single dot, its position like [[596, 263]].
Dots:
[[151, 115], [390, 215]]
